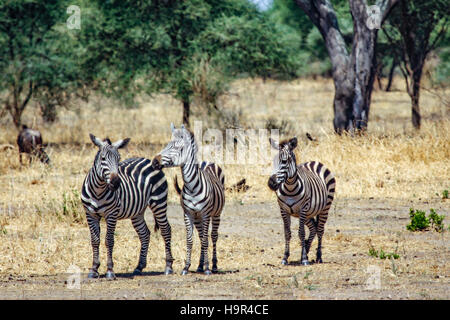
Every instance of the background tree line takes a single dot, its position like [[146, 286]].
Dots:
[[192, 50]]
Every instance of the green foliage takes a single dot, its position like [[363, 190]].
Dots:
[[189, 49], [306, 43], [436, 220], [445, 194], [419, 221], [381, 254], [39, 57]]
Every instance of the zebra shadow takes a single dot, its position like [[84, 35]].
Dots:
[[130, 275]]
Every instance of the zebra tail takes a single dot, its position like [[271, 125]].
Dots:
[[175, 183]]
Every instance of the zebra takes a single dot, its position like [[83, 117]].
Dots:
[[120, 190], [305, 191], [202, 196]]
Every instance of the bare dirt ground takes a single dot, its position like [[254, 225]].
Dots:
[[250, 248]]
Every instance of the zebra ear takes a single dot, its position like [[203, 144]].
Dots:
[[274, 144], [96, 141], [121, 143], [293, 143], [172, 127]]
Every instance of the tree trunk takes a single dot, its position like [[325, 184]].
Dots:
[[415, 95], [353, 74], [391, 75], [186, 113]]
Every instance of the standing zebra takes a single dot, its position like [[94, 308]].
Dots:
[[202, 196], [305, 191], [120, 190]]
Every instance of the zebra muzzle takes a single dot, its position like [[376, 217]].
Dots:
[[156, 163], [273, 185], [114, 182]]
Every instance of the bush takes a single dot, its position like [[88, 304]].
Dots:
[[419, 221], [436, 220]]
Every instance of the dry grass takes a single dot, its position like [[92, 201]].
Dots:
[[42, 228]]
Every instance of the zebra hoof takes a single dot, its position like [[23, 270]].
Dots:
[[110, 275], [93, 275], [168, 271], [319, 260], [214, 270], [184, 272], [200, 270], [284, 262], [137, 272], [208, 272], [305, 263]]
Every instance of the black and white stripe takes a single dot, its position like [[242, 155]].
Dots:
[[123, 190], [305, 191], [202, 196]]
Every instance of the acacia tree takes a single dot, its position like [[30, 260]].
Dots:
[[38, 60], [353, 69], [416, 28], [161, 46]]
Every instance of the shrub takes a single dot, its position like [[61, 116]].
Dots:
[[419, 221], [436, 220]]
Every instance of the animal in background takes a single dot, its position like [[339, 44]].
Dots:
[[30, 142]]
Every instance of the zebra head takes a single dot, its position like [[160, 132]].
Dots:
[[285, 164], [106, 163], [181, 150]]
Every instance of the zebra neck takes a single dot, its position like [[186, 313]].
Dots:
[[97, 185], [292, 183], [191, 177]]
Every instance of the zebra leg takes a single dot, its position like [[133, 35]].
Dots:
[[94, 228], [110, 228], [144, 236], [301, 234], [159, 212], [310, 223], [287, 235], [214, 237], [189, 230], [321, 220], [199, 226], [205, 240]]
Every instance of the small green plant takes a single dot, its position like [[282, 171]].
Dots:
[[381, 254], [445, 194], [436, 220], [310, 287], [419, 221]]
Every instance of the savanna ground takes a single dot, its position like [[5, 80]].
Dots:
[[44, 237]]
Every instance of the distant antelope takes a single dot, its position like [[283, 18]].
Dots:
[[30, 141]]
